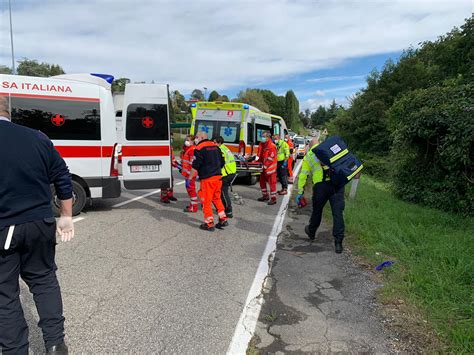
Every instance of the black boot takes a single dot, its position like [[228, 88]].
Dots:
[[308, 233], [338, 247], [222, 224], [207, 227], [60, 349]]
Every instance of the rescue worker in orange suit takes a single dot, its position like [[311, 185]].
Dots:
[[291, 158], [267, 154], [208, 163], [187, 157], [167, 193]]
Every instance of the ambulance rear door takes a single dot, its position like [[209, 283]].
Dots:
[[146, 146]]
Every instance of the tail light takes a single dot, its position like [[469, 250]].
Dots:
[[115, 160], [242, 148]]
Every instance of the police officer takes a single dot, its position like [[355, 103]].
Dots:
[[29, 164], [323, 191], [228, 175], [283, 154]]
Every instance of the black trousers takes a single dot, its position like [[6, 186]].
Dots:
[[225, 192], [282, 174], [31, 256], [322, 193]]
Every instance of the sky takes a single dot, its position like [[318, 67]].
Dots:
[[321, 49]]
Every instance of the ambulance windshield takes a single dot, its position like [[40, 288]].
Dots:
[[228, 130]]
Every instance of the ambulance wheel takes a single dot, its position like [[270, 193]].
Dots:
[[251, 179], [79, 199]]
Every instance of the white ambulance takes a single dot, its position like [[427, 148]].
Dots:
[[76, 111]]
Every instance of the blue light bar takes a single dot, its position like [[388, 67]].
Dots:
[[107, 77], [246, 107], [193, 105]]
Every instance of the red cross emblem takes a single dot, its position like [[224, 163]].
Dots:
[[230, 113], [148, 122], [58, 120]]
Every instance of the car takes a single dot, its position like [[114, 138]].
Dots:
[[300, 146], [291, 134]]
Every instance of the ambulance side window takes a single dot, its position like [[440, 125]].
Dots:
[[58, 119], [260, 130], [276, 128], [147, 122]]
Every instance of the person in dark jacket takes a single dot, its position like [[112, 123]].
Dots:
[[29, 164], [208, 162]]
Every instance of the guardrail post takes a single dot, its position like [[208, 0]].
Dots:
[[355, 183]]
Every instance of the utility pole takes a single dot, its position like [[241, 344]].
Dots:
[[11, 37], [205, 93]]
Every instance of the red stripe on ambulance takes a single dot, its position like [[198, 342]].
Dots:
[[146, 151], [85, 151]]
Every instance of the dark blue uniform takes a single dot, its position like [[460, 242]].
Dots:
[[29, 164]]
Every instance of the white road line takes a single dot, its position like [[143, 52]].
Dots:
[[142, 196], [78, 219], [249, 316]]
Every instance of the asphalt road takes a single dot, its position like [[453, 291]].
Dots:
[[143, 278]]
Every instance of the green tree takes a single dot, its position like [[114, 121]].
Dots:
[[276, 104], [254, 98], [307, 118], [118, 85], [434, 147], [178, 102], [292, 109], [197, 95], [223, 98], [318, 117], [331, 112], [5, 70], [34, 68], [213, 96]]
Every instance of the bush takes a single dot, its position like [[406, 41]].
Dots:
[[434, 147], [377, 166]]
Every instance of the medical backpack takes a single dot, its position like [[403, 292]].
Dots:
[[343, 165]]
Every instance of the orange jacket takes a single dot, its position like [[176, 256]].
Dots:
[[267, 154], [187, 161]]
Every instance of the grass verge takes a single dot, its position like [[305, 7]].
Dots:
[[433, 253]]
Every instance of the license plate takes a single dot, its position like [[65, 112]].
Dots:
[[144, 168]]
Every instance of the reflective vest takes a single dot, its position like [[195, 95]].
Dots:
[[230, 166], [267, 155], [283, 150], [310, 166]]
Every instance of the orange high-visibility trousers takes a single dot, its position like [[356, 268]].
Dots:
[[272, 181], [210, 193], [290, 168]]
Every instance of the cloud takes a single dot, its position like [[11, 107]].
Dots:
[[319, 93], [335, 78], [346, 88], [193, 44], [313, 103]]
